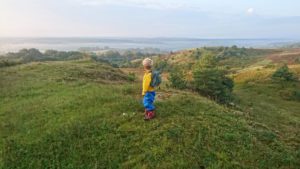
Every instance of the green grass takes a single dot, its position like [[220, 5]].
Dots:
[[81, 114], [266, 105]]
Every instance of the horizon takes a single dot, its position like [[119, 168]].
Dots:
[[12, 44]]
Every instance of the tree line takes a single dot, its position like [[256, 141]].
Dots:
[[33, 55]]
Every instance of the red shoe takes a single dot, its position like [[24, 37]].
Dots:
[[149, 115]]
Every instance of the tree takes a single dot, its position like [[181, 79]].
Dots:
[[284, 74], [211, 81]]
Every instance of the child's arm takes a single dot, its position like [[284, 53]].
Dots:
[[146, 83]]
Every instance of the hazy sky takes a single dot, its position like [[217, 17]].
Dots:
[[151, 18]]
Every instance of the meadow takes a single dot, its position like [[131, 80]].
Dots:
[[87, 114]]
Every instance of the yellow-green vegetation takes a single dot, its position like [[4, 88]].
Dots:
[[261, 74], [271, 98], [231, 57], [82, 114], [272, 105], [253, 74], [31, 55]]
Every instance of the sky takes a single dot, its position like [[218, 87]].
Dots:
[[151, 18]]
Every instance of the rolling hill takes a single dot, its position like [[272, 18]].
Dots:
[[86, 114]]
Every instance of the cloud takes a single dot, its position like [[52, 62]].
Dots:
[[152, 4], [250, 11]]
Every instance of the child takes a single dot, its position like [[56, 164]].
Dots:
[[148, 91]]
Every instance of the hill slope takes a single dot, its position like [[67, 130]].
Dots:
[[275, 104], [81, 114]]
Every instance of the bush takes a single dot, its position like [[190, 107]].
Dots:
[[177, 79], [211, 81], [33, 55], [132, 76], [292, 95], [161, 65], [296, 95], [284, 74], [197, 53], [6, 63]]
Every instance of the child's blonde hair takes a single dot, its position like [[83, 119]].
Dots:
[[147, 62]]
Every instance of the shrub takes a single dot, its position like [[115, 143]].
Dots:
[[197, 53], [132, 76], [284, 74], [161, 65], [292, 95], [6, 63], [32, 55], [211, 81], [177, 79], [296, 95]]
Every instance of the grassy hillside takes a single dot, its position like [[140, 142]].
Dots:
[[231, 57], [81, 114], [271, 103]]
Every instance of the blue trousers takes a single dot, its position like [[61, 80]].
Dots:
[[148, 101]]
